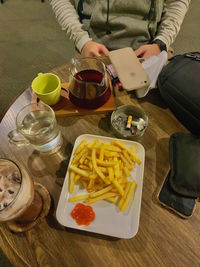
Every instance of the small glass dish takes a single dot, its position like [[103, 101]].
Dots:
[[119, 120]]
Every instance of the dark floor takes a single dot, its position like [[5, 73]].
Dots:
[[31, 41]]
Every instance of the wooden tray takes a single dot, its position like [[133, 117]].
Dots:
[[66, 108]]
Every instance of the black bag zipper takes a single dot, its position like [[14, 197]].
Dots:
[[194, 55]]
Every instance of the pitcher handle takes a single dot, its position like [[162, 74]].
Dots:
[[16, 138]]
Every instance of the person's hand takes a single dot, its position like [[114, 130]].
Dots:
[[146, 51], [93, 49]]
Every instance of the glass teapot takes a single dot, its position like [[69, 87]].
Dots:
[[88, 83]]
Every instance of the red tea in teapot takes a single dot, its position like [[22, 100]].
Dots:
[[89, 89]]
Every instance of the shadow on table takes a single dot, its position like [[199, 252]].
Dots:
[[4, 262], [68, 120], [162, 155], [56, 164], [105, 122], [152, 97]]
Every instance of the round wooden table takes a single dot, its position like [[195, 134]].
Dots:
[[163, 239]]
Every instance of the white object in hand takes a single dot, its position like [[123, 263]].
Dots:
[[140, 124], [153, 66]]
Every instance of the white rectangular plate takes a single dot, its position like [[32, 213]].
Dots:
[[108, 218]]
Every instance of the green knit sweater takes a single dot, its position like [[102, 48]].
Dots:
[[120, 23]]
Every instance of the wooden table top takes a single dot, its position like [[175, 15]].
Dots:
[[163, 239]]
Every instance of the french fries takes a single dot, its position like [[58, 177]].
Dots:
[[103, 169]]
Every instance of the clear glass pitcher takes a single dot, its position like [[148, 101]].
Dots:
[[88, 83], [36, 125]]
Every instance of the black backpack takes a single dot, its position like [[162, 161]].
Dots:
[[179, 85]]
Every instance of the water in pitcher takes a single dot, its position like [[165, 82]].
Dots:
[[40, 128]]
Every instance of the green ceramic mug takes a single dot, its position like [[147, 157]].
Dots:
[[47, 87]]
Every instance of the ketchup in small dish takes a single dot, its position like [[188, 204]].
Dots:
[[83, 214]]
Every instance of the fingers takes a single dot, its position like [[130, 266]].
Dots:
[[98, 51], [93, 49], [146, 51], [140, 51], [94, 53], [146, 54], [103, 50]]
